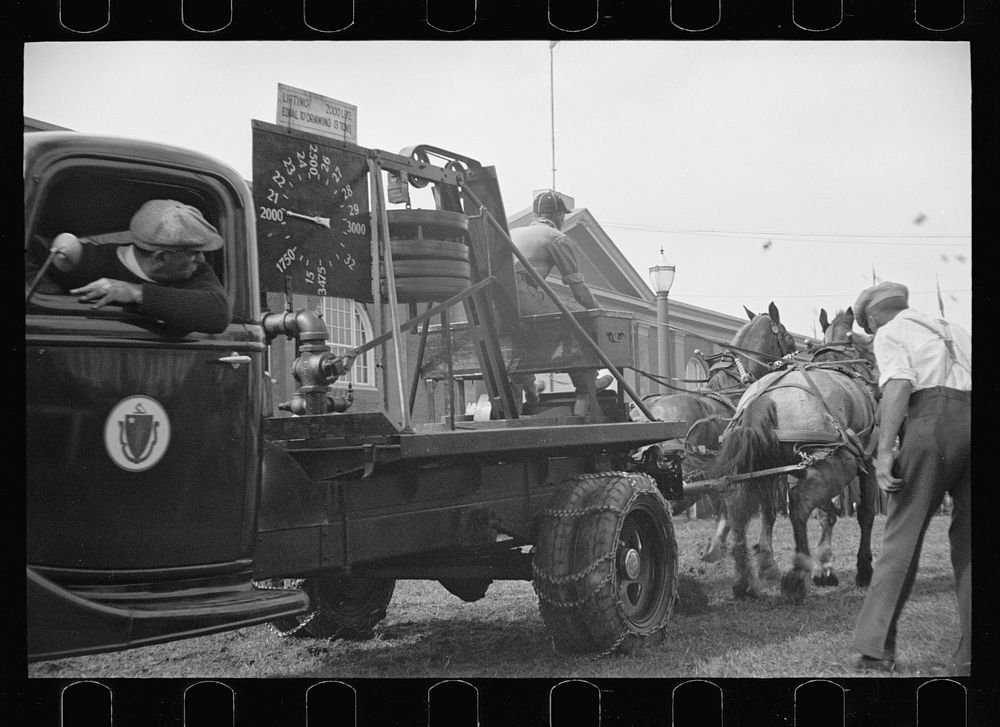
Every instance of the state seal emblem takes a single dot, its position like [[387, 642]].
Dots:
[[137, 433]]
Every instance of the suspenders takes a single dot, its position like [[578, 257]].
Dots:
[[946, 339]]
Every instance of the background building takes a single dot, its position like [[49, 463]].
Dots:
[[619, 286]]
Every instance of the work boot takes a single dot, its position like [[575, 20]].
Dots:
[[864, 663], [604, 382]]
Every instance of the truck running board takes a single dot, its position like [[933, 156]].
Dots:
[[62, 623]]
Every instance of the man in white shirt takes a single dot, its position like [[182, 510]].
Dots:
[[925, 371]]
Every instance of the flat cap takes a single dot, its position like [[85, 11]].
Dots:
[[165, 224], [876, 294]]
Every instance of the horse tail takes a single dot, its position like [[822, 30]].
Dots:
[[753, 444]]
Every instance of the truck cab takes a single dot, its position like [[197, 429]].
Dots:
[[143, 443]]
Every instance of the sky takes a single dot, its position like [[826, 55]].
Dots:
[[785, 171]]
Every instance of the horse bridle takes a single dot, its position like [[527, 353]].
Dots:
[[776, 330], [745, 376]]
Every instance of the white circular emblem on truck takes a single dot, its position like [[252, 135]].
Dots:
[[137, 433]]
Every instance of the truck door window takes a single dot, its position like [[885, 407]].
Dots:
[[97, 203]]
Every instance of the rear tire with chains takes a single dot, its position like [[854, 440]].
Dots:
[[340, 608], [348, 608], [605, 564], [553, 561]]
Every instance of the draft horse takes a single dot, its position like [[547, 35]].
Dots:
[[706, 411], [820, 414]]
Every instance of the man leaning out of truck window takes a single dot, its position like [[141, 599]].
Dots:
[[162, 273]]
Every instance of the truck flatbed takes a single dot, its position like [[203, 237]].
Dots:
[[336, 445], [332, 431]]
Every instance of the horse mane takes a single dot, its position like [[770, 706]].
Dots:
[[739, 340], [742, 331]]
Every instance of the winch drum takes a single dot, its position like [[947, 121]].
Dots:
[[430, 254]]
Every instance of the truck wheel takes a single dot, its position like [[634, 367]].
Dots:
[[605, 564], [341, 608], [347, 608]]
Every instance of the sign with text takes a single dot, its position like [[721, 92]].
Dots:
[[307, 111]]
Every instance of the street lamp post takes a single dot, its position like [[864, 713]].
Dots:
[[661, 276]]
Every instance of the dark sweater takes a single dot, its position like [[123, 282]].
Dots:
[[196, 304]]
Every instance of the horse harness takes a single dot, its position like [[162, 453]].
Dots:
[[723, 362], [845, 436], [847, 366]]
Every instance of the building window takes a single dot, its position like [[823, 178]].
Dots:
[[696, 372], [348, 327]]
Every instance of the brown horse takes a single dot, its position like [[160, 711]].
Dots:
[[707, 410], [820, 414], [851, 354]]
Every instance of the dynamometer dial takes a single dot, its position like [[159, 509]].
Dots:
[[311, 206]]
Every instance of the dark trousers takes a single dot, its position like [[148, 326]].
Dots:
[[534, 301], [934, 459]]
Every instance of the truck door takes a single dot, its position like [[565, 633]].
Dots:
[[143, 443]]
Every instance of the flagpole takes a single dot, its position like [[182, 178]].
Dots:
[[552, 106]]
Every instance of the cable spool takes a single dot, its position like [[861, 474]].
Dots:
[[430, 254]]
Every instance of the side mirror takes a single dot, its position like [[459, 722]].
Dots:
[[64, 254], [66, 249]]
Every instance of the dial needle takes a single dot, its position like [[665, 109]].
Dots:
[[325, 221]]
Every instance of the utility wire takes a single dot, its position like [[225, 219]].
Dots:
[[803, 236], [817, 295], [755, 232]]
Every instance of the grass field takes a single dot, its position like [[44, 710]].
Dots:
[[430, 633]]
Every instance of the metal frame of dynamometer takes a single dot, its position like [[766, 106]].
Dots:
[[339, 482], [463, 185]]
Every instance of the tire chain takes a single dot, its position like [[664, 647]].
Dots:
[[581, 511], [295, 629], [621, 607], [295, 583], [564, 580], [578, 602], [581, 575]]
